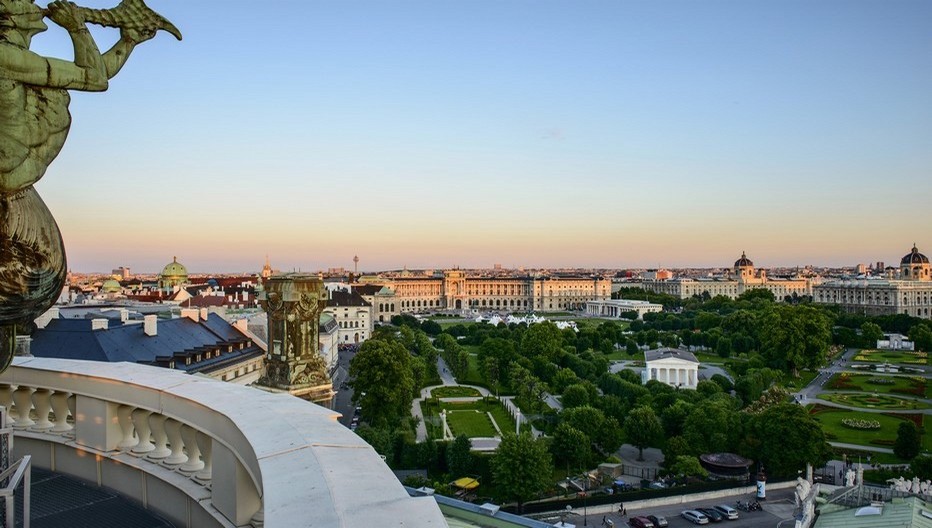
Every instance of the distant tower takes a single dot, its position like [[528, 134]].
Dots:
[[267, 269], [293, 303], [356, 265]]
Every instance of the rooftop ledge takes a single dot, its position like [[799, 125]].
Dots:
[[202, 452]]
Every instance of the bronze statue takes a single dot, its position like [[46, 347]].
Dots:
[[34, 122]]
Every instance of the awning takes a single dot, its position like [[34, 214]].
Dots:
[[466, 483]]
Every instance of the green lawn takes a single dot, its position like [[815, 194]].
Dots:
[[454, 392], [462, 418], [872, 401], [830, 419], [892, 356], [805, 378], [914, 386], [471, 423]]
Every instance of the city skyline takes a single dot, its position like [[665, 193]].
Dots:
[[593, 135]]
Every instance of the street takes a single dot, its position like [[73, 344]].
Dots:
[[342, 403]]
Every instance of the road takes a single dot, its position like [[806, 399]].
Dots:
[[777, 508], [342, 403]]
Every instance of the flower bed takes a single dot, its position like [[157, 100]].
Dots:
[[881, 381], [863, 425]]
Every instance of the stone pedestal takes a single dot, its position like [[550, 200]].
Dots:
[[293, 303]]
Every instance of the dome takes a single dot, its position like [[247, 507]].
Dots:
[[744, 261], [110, 286], [174, 269], [915, 257]]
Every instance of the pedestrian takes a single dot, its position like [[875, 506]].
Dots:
[[624, 512]]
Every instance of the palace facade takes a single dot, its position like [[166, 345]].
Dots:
[[455, 290], [745, 278], [907, 292]]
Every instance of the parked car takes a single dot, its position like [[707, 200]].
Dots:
[[730, 513], [695, 517], [659, 521], [640, 522], [712, 514]]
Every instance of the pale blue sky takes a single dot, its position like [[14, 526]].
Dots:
[[528, 133]]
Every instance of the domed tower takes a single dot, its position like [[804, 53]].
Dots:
[[915, 266], [744, 268], [173, 274]]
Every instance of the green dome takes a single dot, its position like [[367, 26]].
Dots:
[[174, 270], [110, 286]]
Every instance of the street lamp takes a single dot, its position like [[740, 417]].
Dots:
[[586, 500]]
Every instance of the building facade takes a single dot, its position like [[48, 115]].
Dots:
[[616, 307], [353, 315], [743, 278], [455, 290], [909, 292], [676, 368]]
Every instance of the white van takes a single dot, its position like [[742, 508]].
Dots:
[[726, 510]]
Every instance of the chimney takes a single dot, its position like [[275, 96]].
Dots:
[[150, 325], [190, 313], [100, 324], [124, 315], [43, 320]]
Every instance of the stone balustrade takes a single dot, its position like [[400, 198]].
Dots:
[[201, 452]]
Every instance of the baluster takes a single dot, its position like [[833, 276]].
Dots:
[[173, 430], [125, 419], [161, 450], [194, 463], [206, 444], [6, 399], [42, 400], [143, 432], [60, 408], [22, 398]]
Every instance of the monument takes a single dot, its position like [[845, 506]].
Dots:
[[34, 122], [293, 303]]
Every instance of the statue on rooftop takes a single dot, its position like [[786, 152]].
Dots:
[[34, 122]]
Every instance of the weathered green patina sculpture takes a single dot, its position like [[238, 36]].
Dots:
[[34, 122]]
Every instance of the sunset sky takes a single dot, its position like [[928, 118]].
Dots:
[[530, 133]]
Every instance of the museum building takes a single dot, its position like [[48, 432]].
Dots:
[[906, 291]]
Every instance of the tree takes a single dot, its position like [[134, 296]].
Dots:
[[723, 347], [431, 327], [521, 468], [713, 426], [676, 447], [542, 339], [382, 381], [785, 438], [642, 428], [631, 347], [795, 337], [459, 457], [570, 446], [908, 440], [922, 466], [870, 334], [575, 396], [688, 466]]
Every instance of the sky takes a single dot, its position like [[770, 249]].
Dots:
[[528, 133]]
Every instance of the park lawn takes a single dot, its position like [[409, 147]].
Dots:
[[862, 382], [454, 391], [830, 419], [895, 357], [714, 359], [471, 423], [473, 376], [805, 378], [502, 418], [879, 401]]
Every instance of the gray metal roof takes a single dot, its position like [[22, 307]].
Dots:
[[667, 353]]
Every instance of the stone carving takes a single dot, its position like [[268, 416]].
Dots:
[[34, 122], [293, 304], [849, 478], [802, 490]]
